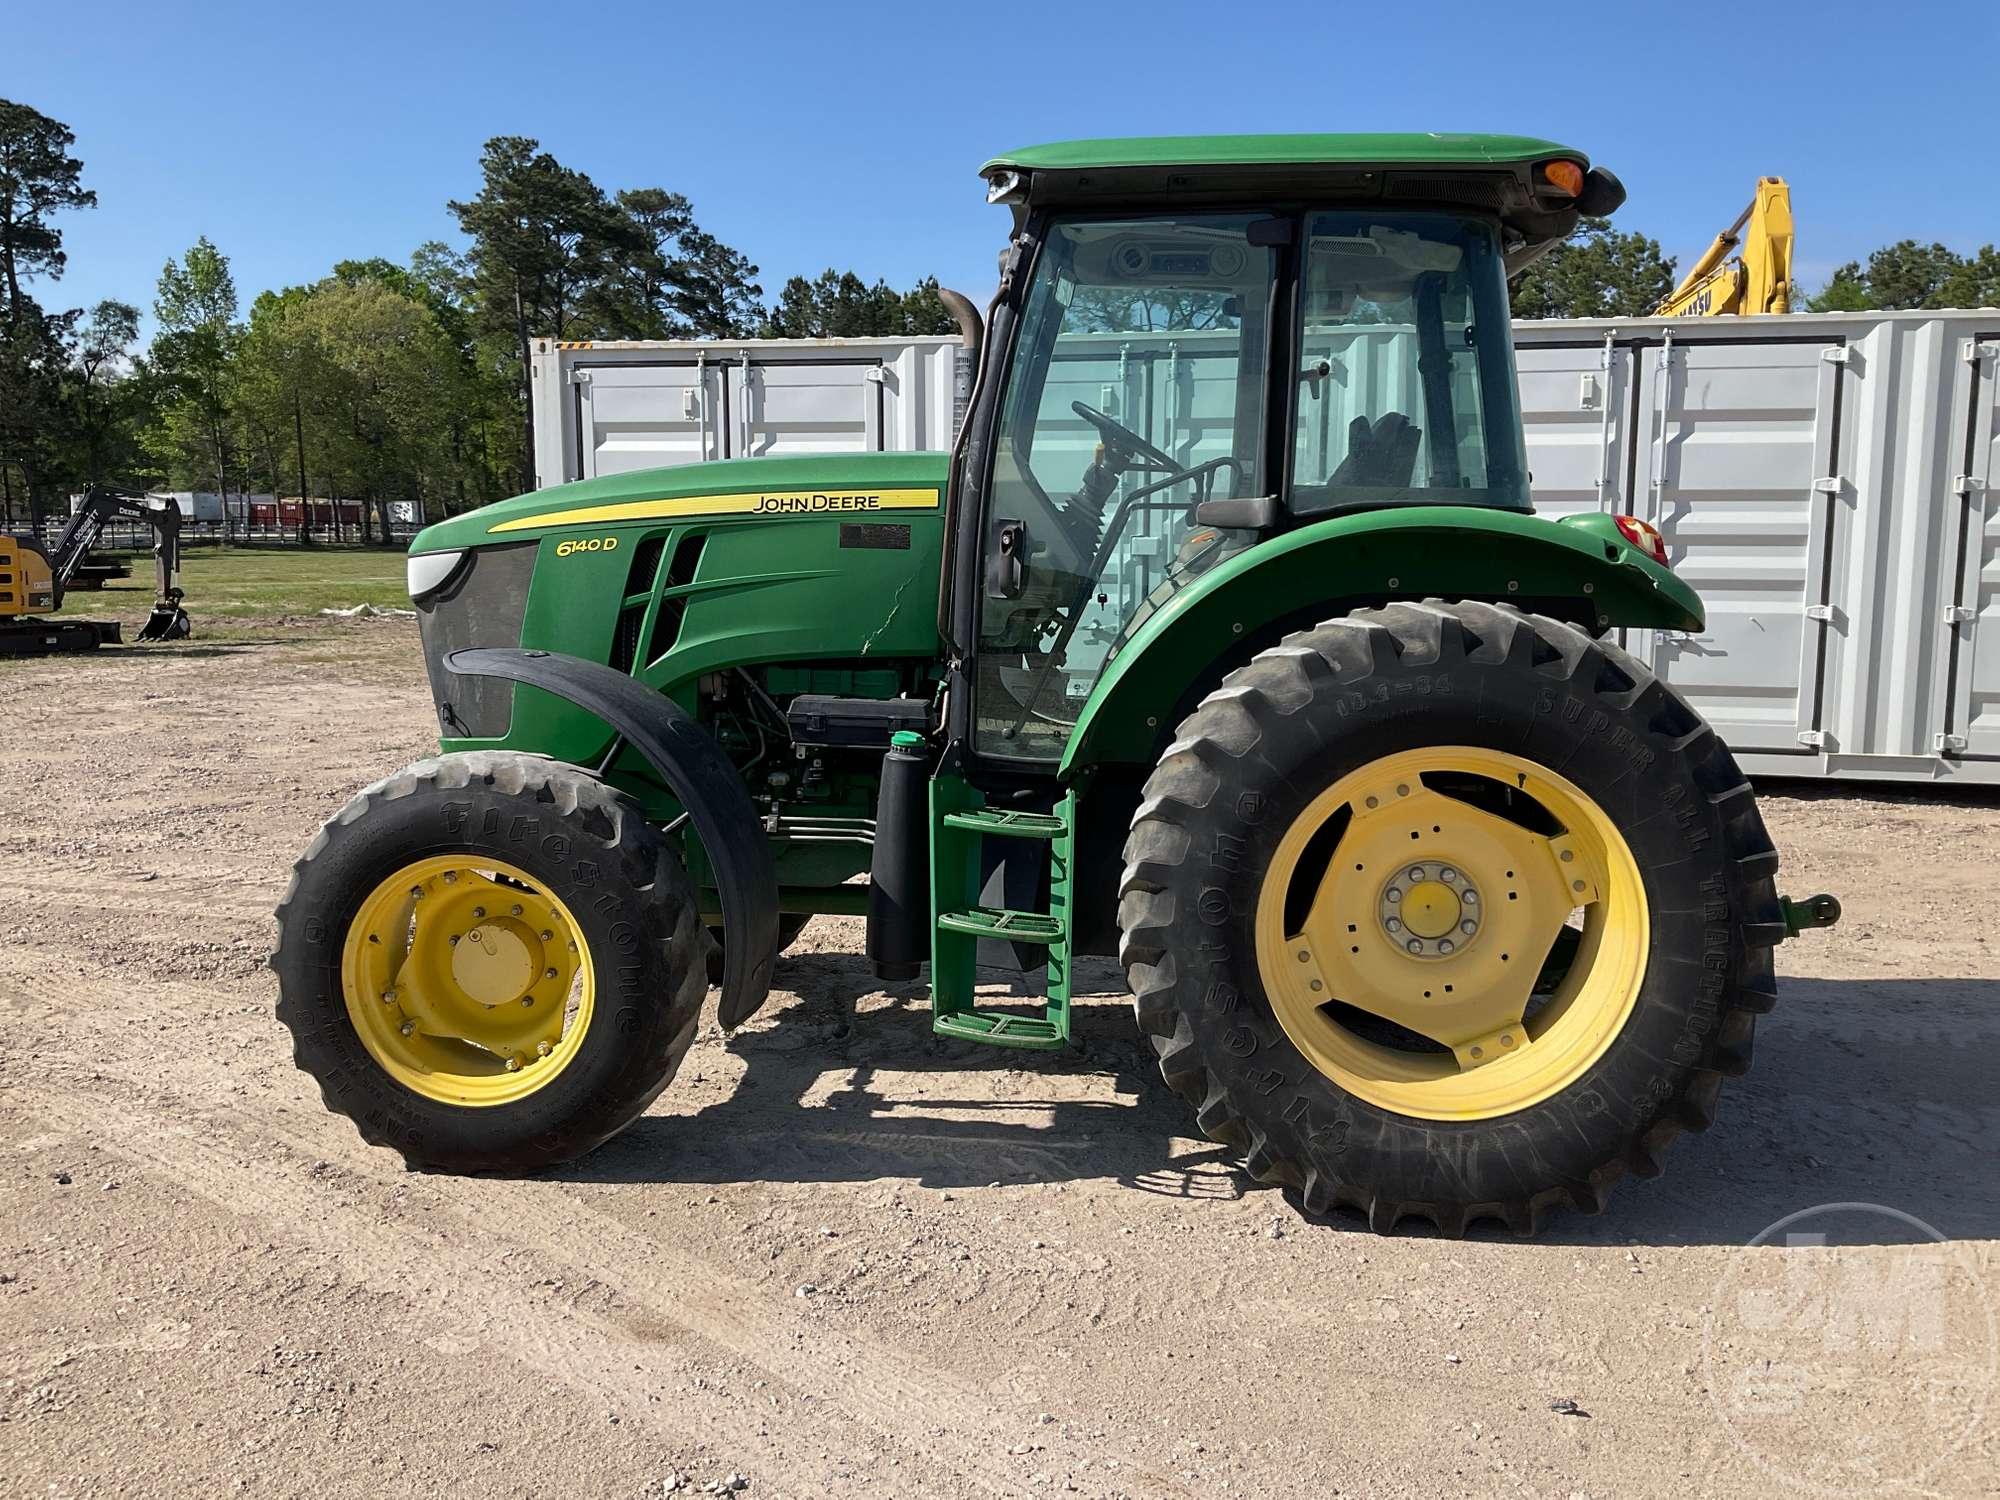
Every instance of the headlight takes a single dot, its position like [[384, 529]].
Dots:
[[427, 571]]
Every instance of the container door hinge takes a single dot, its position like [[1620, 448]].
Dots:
[[579, 377], [1944, 743], [1972, 351], [1960, 614], [1830, 485], [1835, 354], [1828, 614], [875, 373], [1813, 739], [1968, 485]]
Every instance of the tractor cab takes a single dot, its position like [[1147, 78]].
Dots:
[[1199, 344]]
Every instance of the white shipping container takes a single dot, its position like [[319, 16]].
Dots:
[[610, 408], [1826, 481]]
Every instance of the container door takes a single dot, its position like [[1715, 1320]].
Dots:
[[645, 416], [1740, 477], [1973, 617], [1576, 407], [802, 406]]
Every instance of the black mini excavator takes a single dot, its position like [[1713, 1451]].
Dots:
[[33, 579]]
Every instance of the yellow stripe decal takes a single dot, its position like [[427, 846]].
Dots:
[[767, 503]]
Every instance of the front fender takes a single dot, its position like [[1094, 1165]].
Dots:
[[1579, 566], [705, 783]]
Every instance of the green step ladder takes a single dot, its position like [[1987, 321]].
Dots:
[[960, 823]]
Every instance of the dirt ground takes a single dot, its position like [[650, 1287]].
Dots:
[[840, 1260]]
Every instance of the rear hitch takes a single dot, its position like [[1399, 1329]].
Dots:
[[1814, 911]]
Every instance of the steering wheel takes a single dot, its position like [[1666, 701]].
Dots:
[[1123, 440]]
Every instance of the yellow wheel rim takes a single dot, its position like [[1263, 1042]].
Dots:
[[1410, 911], [466, 982]]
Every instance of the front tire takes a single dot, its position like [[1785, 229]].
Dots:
[[490, 962], [1448, 912]]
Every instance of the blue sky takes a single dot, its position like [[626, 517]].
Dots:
[[808, 135]]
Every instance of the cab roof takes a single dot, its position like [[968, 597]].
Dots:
[[1501, 175], [1405, 149]]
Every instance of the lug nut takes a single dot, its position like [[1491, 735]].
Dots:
[[513, 1065], [479, 911], [1416, 872], [548, 937], [1393, 925], [416, 893], [408, 1027], [1568, 855], [528, 1002], [454, 940], [1468, 928], [1447, 874], [549, 973], [1445, 945], [542, 1049], [1414, 946], [451, 877], [389, 996], [1395, 893], [515, 909], [1470, 898]]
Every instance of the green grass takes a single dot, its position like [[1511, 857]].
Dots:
[[258, 583]]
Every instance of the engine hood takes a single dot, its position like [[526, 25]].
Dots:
[[798, 484]]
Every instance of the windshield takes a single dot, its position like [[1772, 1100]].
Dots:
[[1137, 391], [1406, 381]]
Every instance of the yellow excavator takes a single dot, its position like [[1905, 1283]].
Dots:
[[33, 580], [1749, 267]]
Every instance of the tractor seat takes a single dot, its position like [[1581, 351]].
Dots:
[[1382, 453]]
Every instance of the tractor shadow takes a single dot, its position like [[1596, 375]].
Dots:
[[828, 1097], [1864, 1091]]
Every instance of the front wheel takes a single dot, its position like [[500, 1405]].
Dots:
[[490, 962], [1451, 912]]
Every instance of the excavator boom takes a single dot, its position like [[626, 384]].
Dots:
[[1748, 269]]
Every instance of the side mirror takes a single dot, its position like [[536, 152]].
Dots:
[[1239, 513], [1602, 194]]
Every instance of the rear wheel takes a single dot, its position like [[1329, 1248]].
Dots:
[[1448, 912], [490, 962]]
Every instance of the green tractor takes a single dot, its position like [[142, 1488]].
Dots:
[[1225, 640]]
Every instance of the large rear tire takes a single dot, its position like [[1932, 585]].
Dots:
[[490, 962], [1449, 912]]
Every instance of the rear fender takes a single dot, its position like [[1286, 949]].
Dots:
[[1579, 568], [689, 761]]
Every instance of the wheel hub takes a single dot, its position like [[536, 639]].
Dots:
[[493, 963], [1434, 911], [458, 976], [1430, 910]]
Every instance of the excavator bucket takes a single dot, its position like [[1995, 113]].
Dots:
[[167, 622]]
